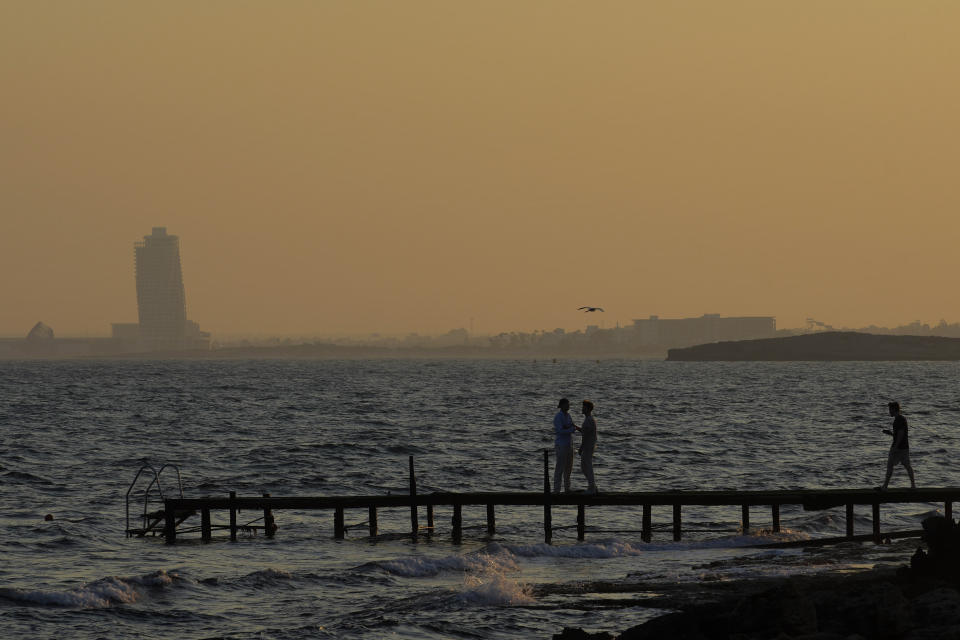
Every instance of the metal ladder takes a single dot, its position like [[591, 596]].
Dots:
[[154, 489]]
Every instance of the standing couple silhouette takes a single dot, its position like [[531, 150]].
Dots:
[[564, 428]]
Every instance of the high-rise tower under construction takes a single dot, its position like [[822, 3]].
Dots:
[[161, 301]]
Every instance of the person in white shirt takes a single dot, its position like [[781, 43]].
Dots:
[[563, 429], [588, 445]]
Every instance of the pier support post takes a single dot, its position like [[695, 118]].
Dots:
[[205, 530], [339, 531], [374, 527], [414, 520], [457, 523], [269, 523], [170, 523], [429, 519], [849, 520], [676, 523], [776, 518], [646, 533], [876, 523], [581, 522], [233, 516], [547, 516], [948, 510], [745, 518], [491, 520]]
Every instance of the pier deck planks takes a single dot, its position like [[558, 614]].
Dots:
[[811, 499]]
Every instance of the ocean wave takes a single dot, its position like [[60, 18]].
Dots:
[[266, 577], [923, 515], [615, 548], [26, 477], [350, 447], [824, 521], [485, 581], [420, 567], [495, 590], [260, 579], [752, 539], [340, 578], [99, 594], [607, 549], [57, 543]]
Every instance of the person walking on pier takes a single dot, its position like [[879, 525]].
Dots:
[[588, 444], [899, 448], [563, 429]]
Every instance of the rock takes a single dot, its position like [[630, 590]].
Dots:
[[937, 608], [576, 633], [892, 611], [917, 603], [818, 608], [676, 626], [934, 633], [943, 540], [780, 610], [875, 610]]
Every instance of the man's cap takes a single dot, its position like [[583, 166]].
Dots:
[[562, 400]]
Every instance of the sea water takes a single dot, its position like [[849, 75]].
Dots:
[[74, 433]]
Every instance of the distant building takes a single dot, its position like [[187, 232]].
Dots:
[[41, 342], [40, 333], [126, 335], [710, 327], [161, 304], [161, 300]]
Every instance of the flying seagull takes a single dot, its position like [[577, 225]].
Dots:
[[589, 309]]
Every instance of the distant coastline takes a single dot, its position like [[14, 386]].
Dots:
[[816, 347], [104, 349], [327, 351], [825, 346]]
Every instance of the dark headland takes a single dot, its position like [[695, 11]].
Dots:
[[916, 602], [830, 345]]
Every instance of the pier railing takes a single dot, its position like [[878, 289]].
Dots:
[[178, 509]]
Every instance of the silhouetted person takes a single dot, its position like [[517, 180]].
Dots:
[[588, 445], [563, 427], [899, 448]]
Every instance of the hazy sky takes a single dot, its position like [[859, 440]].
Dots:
[[355, 166]]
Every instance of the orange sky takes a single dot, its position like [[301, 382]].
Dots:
[[346, 167]]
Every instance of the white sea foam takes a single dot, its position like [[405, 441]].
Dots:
[[419, 567], [615, 548], [753, 539], [99, 594], [495, 589], [607, 549], [485, 581]]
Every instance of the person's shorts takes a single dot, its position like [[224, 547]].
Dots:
[[899, 456]]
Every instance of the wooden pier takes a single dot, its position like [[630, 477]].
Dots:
[[177, 510]]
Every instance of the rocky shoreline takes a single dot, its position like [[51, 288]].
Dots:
[[916, 602], [826, 346]]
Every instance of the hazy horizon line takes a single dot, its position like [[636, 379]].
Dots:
[[335, 335]]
